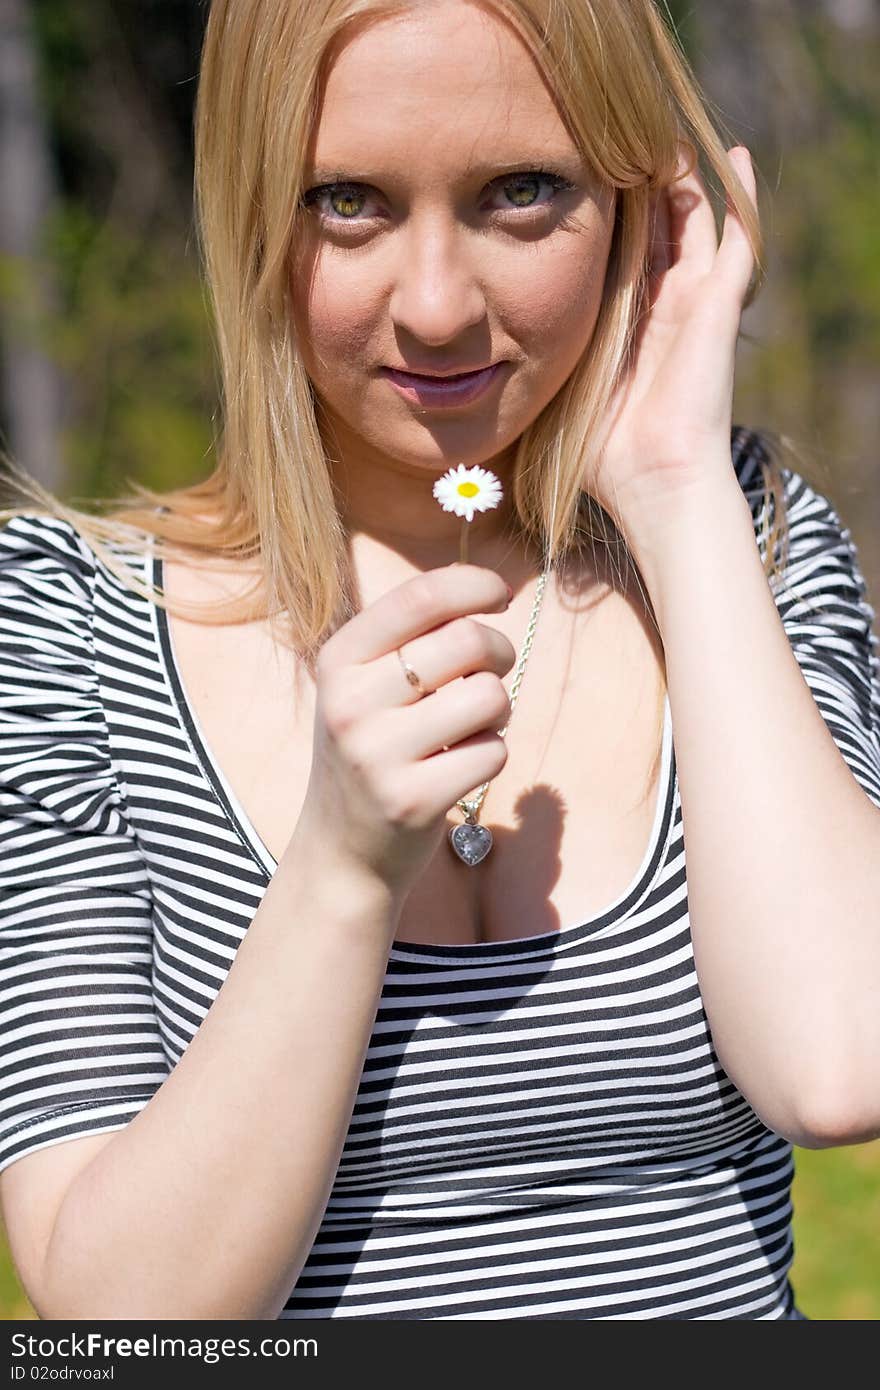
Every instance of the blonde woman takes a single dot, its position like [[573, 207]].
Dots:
[[271, 1048]]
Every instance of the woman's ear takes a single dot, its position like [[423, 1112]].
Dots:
[[660, 254], [688, 159], [660, 249]]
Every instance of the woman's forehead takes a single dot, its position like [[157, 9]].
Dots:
[[450, 80]]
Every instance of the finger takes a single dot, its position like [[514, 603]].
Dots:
[[692, 230], [414, 607], [442, 778], [735, 262], [454, 712], [458, 648]]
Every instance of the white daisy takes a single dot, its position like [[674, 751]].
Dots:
[[467, 490]]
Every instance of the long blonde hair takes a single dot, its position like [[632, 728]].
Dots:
[[630, 97]]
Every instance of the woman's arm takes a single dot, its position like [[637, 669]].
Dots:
[[206, 1205], [782, 843]]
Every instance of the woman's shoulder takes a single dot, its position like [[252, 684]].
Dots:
[[754, 460], [812, 522], [37, 548], [47, 580], [48, 682], [748, 451], [43, 538]]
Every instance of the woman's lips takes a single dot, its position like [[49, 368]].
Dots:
[[457, 390]]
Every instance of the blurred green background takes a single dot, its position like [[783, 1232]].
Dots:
[[107, 370]]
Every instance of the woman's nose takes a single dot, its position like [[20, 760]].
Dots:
[[438, 286]]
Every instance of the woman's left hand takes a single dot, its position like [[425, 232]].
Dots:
[[670, 419]]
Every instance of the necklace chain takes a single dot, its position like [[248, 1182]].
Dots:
[[471, 807]]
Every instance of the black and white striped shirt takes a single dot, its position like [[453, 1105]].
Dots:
[[542, 1128]]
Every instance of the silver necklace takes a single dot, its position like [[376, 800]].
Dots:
[[471, 842]]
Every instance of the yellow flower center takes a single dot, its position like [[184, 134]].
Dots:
[[467, 489]]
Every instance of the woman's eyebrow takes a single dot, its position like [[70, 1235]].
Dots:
[[568, 160]]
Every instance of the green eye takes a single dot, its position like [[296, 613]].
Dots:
[[346, 193], [534, 179], [344, 197], [345, 200]]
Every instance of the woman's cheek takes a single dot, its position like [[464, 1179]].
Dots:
[[562, 314]]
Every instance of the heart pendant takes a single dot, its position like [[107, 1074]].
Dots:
[[471, 842]]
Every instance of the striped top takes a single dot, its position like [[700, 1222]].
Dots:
[[542, 1127]]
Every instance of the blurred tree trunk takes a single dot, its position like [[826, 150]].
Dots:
[[31, 383]]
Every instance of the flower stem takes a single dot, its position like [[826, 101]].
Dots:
[[462, 548]]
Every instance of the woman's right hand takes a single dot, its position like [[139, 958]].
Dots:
[[381, 784]]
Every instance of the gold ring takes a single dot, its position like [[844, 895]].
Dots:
[[410, 674]]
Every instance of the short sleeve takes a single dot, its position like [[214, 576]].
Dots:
[[80, 1047], [823, 603]]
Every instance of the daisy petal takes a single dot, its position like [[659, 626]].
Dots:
[[465, 491]]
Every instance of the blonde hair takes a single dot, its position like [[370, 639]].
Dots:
[[630, 99]]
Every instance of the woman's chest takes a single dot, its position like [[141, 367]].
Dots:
[[571, 813]]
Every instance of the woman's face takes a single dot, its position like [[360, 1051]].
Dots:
[[458, 226]]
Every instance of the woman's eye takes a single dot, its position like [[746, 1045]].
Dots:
[[344, 194], [346, 201], [517, 185]]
